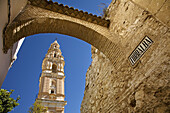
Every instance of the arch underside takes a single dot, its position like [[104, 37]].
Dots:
[[34, 20]]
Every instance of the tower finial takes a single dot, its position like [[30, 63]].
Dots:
[[56, 40]]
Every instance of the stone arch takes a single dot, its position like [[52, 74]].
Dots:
[[33, 20]]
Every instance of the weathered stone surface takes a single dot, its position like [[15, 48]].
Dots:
[[143, 88], [152, 5], [129, 90], [158, 8], [164, 13]]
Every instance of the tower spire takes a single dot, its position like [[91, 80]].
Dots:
[[56, 40]]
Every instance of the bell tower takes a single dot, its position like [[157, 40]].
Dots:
[[51, 86]]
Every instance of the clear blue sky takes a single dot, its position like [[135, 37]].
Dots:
[[24, 75]]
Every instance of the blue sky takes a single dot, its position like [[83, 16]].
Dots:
[[24, 75]]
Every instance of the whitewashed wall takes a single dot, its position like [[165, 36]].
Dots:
[[5, 59]]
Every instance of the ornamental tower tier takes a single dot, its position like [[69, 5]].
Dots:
[[51, 87]]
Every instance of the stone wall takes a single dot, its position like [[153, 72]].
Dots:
[[144, 87]]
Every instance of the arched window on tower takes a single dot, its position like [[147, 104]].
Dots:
[[54, 68], [54, 54], [52, 91]]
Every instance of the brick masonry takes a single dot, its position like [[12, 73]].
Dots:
[[33, 17]]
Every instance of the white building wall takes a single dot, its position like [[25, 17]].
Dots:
[[5, 59]]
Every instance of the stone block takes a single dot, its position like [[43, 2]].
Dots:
[[164, 13]]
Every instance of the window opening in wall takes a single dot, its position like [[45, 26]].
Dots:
[[52, 91], [53, 83], [54, 54], [54, 68]]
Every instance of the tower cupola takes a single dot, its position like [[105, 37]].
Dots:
[[53, 61]]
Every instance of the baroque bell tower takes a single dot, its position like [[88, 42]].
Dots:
[[51, 86]]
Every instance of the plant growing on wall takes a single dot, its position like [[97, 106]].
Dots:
[[6, 102], [103, 10]]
